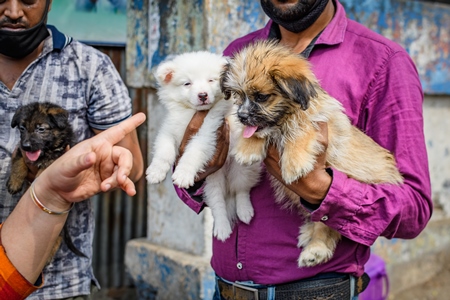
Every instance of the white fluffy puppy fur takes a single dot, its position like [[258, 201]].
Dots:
[[187, 83]]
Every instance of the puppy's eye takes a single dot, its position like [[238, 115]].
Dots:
[[22, 128], [40, 129], [212, 80], [261, 97], [187, 84]]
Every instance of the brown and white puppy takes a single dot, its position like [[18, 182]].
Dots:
[[281, 102], [45, 134]]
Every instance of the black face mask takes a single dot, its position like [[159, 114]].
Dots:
[[18, 44], [298, 18]]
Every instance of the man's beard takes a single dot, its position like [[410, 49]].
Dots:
[[296, 18]]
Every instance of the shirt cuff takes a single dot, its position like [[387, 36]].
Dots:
[[312, 207]]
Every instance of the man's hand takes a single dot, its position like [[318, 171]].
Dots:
[[223, 143], [314, 186]]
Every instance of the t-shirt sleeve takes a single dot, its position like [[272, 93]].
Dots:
[[109, 100]]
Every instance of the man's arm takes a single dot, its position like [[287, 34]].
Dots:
[[392, 116], [192, 196]]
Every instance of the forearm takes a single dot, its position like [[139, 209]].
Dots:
[[363, 212], [28, 235], [313, 187]]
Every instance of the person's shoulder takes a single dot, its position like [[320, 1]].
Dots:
[[371, 38], [84, 56], [243, 41], [82, 49]]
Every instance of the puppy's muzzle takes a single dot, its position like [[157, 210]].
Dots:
[[203, 97], [243, 112]]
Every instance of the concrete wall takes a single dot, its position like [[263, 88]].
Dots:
[[174, 258]]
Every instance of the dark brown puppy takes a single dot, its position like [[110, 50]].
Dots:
[[280, 101], [45, 134]]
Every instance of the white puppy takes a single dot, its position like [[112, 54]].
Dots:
[[187, 83]]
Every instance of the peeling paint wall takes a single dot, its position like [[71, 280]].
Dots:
[[160, 28], [422, 28], [157, 29]]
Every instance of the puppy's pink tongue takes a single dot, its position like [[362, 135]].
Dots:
[[249, 131], [33, 156]]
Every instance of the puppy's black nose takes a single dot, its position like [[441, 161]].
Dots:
[[26, 146], [203, 97], [243, 117]]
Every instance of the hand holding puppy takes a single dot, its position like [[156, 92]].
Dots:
[[312, 187], [223, 143]]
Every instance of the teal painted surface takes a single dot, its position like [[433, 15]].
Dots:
[[422, 28]]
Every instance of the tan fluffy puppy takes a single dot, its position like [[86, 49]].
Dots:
[[281, 102]]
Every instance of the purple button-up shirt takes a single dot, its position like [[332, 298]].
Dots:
[[378, 84]]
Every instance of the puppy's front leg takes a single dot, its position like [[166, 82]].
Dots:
[[200, 148], [165, 148], [19, 172], [318, 242], [250, 150], [299, 155], [214, 195]]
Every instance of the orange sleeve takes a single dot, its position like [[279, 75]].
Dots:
[[13, 285]]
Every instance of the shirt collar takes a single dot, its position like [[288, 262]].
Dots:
[[56, 41], [333, 34], [60, 40]]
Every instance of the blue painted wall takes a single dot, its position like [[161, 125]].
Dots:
[[159, 28], [422, 28]]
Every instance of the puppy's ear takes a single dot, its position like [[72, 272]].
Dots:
[[59, 116], [299, 89], [164, 72], [223, 81], [18, 115]]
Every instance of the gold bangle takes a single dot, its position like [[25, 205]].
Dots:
[[43, 207]]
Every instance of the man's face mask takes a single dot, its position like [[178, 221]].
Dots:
[[298, 17], [18, 44]]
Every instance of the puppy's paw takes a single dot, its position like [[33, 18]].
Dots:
[[314, 254], [14, 186], [157, 172], [244, 210], [183, 177], [222, 229], [247, 159], [292, 173]]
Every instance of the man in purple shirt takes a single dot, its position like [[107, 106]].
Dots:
[[378, 85]]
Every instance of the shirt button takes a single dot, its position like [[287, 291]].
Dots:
[[239, 266], [324, 218]]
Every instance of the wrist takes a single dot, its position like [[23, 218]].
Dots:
[[48, 200], [315, 186]]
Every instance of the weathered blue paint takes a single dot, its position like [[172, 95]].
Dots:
[[420, 27], [137, 4], [144, 290]]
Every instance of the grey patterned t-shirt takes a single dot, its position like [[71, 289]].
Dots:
[[85, 82]]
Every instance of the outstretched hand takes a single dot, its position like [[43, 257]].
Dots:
[[222, 143], [90, 167], [312, 187]]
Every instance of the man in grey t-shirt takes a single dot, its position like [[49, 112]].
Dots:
[[39, 63]]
